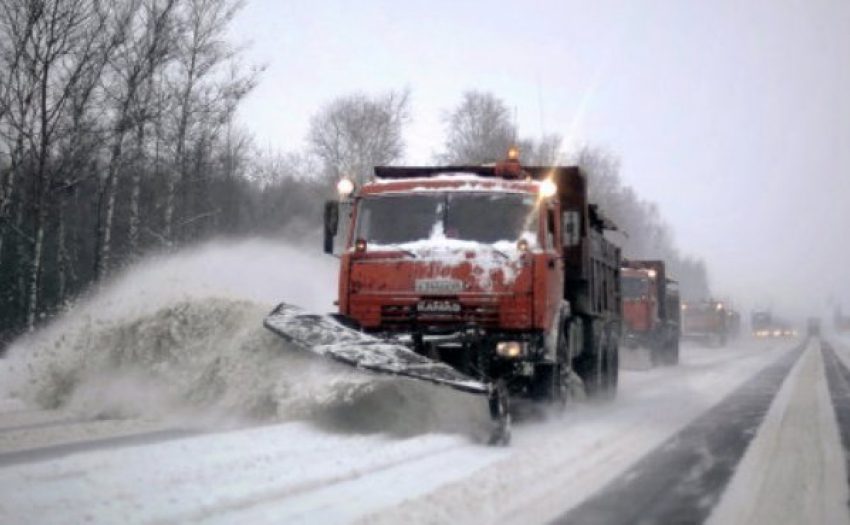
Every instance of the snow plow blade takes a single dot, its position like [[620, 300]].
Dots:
[[324, 336]]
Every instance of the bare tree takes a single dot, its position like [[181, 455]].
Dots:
[[545, 151], [644, 233], [146, 45], [66, 43], [478, 130], [206, 85], [96, 100], [17, 91], [356, 132]]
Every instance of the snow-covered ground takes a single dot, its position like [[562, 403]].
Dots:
[[794, 470], [173, 405], [307, 471]]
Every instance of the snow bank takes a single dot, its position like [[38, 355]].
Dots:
[[176, 332], [182, 336]]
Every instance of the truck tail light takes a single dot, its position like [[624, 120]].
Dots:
[[360, 245]]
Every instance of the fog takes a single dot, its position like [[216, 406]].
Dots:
[[732, 116]]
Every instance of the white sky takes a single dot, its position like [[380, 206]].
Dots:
[[732, 115]]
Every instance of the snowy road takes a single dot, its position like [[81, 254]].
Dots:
[[748, 434], [162, 399]]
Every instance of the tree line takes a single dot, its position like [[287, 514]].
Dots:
[[118, 139]]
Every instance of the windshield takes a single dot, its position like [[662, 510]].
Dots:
[[635, 287], [481, 217]]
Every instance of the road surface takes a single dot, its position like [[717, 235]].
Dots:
[[753, 433], [161, 399]]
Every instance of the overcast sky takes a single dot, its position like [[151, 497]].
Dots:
[[732, 115]]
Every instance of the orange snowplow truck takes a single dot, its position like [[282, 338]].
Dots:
[[705, 321], [500, 271], [651, 310]]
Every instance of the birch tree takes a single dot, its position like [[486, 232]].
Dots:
[[478, 130], [206, 84], [146, 45], [66, 41], [17, 90]]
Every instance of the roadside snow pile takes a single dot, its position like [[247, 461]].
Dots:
[[185, 332], [181, 337], [207, 354]]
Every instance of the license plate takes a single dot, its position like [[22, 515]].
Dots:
[[438, 307], [438, 286]]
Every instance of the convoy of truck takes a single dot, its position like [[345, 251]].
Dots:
[[765, 325], [495, 280]]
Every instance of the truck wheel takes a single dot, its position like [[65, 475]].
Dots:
[[551, 383], [611, 368], [589, 365]]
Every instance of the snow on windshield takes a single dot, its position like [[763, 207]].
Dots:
[[485, 218]]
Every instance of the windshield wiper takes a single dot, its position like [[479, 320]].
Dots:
[[500, 252]]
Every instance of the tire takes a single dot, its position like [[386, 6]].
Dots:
[[611, 369], [589, 365], [551, 380]]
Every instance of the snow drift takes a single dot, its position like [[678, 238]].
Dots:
[[181, 337]]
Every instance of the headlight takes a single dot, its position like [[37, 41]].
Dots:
[[345, 187], [547, 188], [509, 349]]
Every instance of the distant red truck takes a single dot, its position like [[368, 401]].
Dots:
[[651, 311], [706, 321]]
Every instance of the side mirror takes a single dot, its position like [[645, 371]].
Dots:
[[331, 224], [572, 229]]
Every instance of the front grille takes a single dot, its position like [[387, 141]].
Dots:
[[405, 316]]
